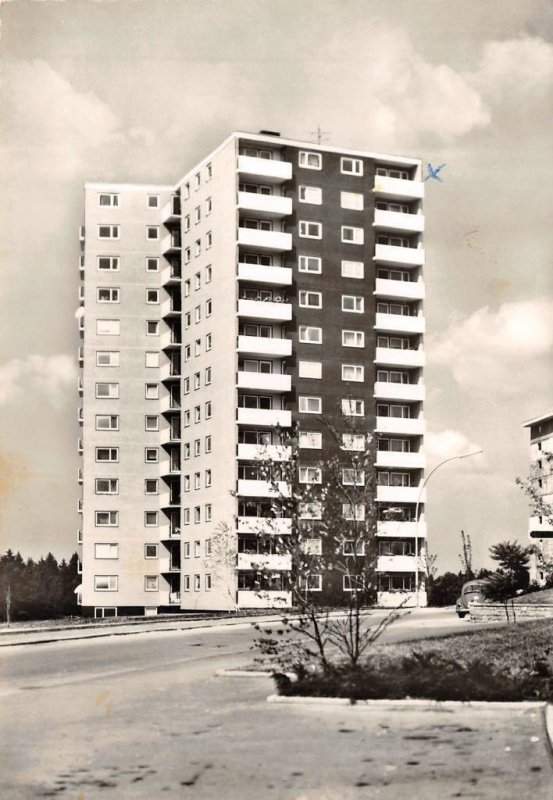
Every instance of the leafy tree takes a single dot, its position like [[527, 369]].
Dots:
[[513, 559], [37, 590]]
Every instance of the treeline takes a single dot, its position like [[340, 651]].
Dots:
[[443, 590], [37, 589]]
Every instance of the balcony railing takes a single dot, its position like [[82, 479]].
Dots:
[[279, 526], [400, 323], [393, 459], [265, 205], [274, 241], [264, 346], [399, 256], [409, 426], [396, 357], [398, 189], [270, 170], [264, 599], [259, 452], [386, 390], [256, 273], [253, 488], [265, 310], [396, 564], [408, 290], [398, 221], [264, 561], [270, 417], [269, 382], [399, 494], [397, 529]]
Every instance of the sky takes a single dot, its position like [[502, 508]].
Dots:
[[138, 90]]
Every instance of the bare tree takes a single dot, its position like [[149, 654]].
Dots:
[[466, 556]]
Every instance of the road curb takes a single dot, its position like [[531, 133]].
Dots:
[[431, 705], [243, 673]]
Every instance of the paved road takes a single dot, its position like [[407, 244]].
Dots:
[[144, 716]]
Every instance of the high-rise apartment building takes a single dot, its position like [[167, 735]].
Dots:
[[276, 282], [540, 526]]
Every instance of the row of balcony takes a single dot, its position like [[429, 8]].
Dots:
[[384, 494], [275, 417], [273, 171], [283, 562], [281, 526], [384, 458]]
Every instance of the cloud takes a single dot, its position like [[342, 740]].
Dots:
[[448, 444], [47, 378], [498, 352], [57, 121], [514, 66]]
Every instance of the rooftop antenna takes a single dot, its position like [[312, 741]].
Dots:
[[320, 134]]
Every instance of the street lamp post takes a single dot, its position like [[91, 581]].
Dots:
[[421, 490]]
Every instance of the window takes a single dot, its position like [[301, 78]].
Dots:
[[106, 486], [186, 420], [353, 441], [108, 231], [310, 230], [151, 391], [208, 308], [351, 200], [353, 373], [208, 582], [107, 295], [151, 583], [151, 486], [208, 274], [197, 414], [310, 160], [187, 255], [312, 547], [197, 583], [197, 515], [310, 264], [208, 410], [109, 391], [186, 583], [353, 339], [187, 352], [107, 358], [151, 551], [197, 447], [106, 519], [188, 319], [151, 423], [152, 327], [108, 263], [108, 327], [310, 440], [353, 477], [208, 547], [197, 347], [208, 206], [186, 521], [208, 512], [153, 201], [310, 299], [309, 334], [353, 303], [310, 369], [150, 519], [352, 235], [107, 454], [197, 480], [108, 200], [310, 405], [208, 444], [107, 422], [353, 269], [197, 214], [311, 583], [310, 194], [187, 287], [310, 475], [208, 172], [105, 583], [208, 478], [197, 313], [102, 550], [152, 296], [197, 181], [196, 381], [353, 511], [310, 510], [197, 247], [208, 341], [151, 455], [152, 264], [353, 408], [390, 172], [207, 376], [208, 240], [351, 166], [152, 359], [197, 548], [152, 232]]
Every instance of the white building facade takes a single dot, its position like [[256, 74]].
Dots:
[[276, 279], [540, 525]]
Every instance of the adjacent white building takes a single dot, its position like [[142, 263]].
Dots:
[[540, 526]]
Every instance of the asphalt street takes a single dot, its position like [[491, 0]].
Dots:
[[145, 716]]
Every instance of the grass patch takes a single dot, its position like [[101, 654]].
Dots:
[[507, 664]]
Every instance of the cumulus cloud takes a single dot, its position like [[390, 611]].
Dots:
[[448, 444], [499, 351], [514, 66], [46, 377]]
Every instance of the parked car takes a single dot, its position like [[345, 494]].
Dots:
[[471, 590]]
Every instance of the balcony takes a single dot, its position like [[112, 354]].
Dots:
[[264, 346], [80, 386], [167, 564], [80, 448], [268, 382], [174, 598], [271, 241], [268, 169], [399, 256], [279, 526], [265, 205], [81, 233], [170, 307], [254, 488], [400, 323], [257, 452], [272, 417], [168, 340], [539, 530], [265, 561], [272, 276], [264, 599], [391, 458], [171, 275], [407, 290], [396, 564], [81, 356], [171, 244], [79, 476], [399, 494], [265, 310], [395, 530], [395, 357], [386, 390], [398, 189], [81, 264], [80, 417], [409, 426], [168, 372], [398, 221]]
